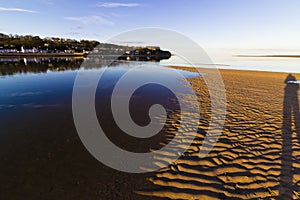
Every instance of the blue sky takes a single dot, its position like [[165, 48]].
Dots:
[[248, 24]]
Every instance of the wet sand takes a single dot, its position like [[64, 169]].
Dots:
[[257, 155]]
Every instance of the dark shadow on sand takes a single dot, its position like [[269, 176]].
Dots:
[[291, 123]]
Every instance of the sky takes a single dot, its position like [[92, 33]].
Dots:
[[262, 24], [240, 24]]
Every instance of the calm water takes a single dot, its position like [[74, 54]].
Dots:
[[40, 151], [35, 87], [36, 96]]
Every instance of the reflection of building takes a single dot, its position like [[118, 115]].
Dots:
[[17, 65], [33, 50], [2, 50]]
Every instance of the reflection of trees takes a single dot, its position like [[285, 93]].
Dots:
[[100, 57], [41, 65], [14, 66]]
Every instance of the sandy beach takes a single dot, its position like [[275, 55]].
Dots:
[[256, 157]]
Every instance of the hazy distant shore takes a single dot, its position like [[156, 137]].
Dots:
[[266, 56]]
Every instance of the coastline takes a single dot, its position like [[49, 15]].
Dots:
[[268, 56], [193, 69]]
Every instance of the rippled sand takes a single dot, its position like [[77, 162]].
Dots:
[[256, 157]]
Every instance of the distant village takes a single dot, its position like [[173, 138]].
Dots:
[[34, 50], [35, 44]]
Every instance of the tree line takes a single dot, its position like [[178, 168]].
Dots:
[[48, 43]]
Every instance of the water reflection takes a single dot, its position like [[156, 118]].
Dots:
[[45, 84], [12, 66], [38, 138], [17, 65]]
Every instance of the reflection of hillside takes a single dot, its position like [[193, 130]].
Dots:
[[98, 58], [11, 66]]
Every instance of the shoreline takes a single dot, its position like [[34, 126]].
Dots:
[[229, 69], [267, 56], [83, 55]]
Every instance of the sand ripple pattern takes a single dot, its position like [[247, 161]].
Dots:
[[248, 160]]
